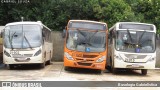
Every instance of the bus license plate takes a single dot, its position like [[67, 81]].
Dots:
[[135, 65], [22, 59]]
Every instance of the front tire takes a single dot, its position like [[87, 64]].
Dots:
[[49, 61], [66, 68], [100, 72], [144, 71], [114, 70], [42, 65], [10, 66]]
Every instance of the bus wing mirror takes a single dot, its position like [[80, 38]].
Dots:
[[109, 36], [43, 35], [64, 33], [157, 36], [1, 33]]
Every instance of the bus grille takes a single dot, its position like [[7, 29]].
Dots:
[[85, 64], [86, 56], [22, 55], [81, 59], [134, 55]]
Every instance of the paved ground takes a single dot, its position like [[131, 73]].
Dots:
[[56, 72]]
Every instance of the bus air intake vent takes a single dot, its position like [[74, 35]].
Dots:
[[86, 56], [85, 64], [22, 55]]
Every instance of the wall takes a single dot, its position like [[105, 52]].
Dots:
[[58, 43]]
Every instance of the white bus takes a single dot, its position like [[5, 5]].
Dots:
[[27, 43], [132, 45]]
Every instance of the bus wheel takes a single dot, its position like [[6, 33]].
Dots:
[[66, 68], [114, 70], [42, 65], [144, 71], [10, 66], [100, 71], [49, 61]]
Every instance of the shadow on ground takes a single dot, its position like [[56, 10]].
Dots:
[[23, 67], [119, 72]]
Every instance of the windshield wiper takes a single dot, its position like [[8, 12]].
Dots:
[[129, 36], [87, 41], [27, 41], [140, 37], [11, 38]]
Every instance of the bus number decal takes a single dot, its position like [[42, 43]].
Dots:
[[129, 60], [14, 52]]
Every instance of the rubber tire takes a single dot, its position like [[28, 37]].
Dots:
[[48, 62], [66, 68], [42, 65], [10, 66], [114, 70], [144, 71], [100, 72]]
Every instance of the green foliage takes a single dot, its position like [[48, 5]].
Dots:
[[56, 13]]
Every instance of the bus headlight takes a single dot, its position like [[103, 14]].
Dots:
[[69, 57], [38, 52], [101, 59], [118, 57], [6, 53], [151, 59]]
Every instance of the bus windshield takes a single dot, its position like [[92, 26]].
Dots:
[[86, 40], [22, 36], [127, 41]]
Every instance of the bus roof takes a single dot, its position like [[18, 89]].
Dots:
[[118, 23], [24, 22], [134, 23], [87, 21], [28, 22]]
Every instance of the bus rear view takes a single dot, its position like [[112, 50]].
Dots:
[[85, 45]]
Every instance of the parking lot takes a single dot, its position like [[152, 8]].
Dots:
[[56, 72]]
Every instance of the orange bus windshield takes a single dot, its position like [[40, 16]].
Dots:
[[86, 40]]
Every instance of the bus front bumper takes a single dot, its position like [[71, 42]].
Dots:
[[143, 65], [27, 60], [75, 64]]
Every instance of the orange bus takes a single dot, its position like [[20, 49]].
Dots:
[[85, 44]]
